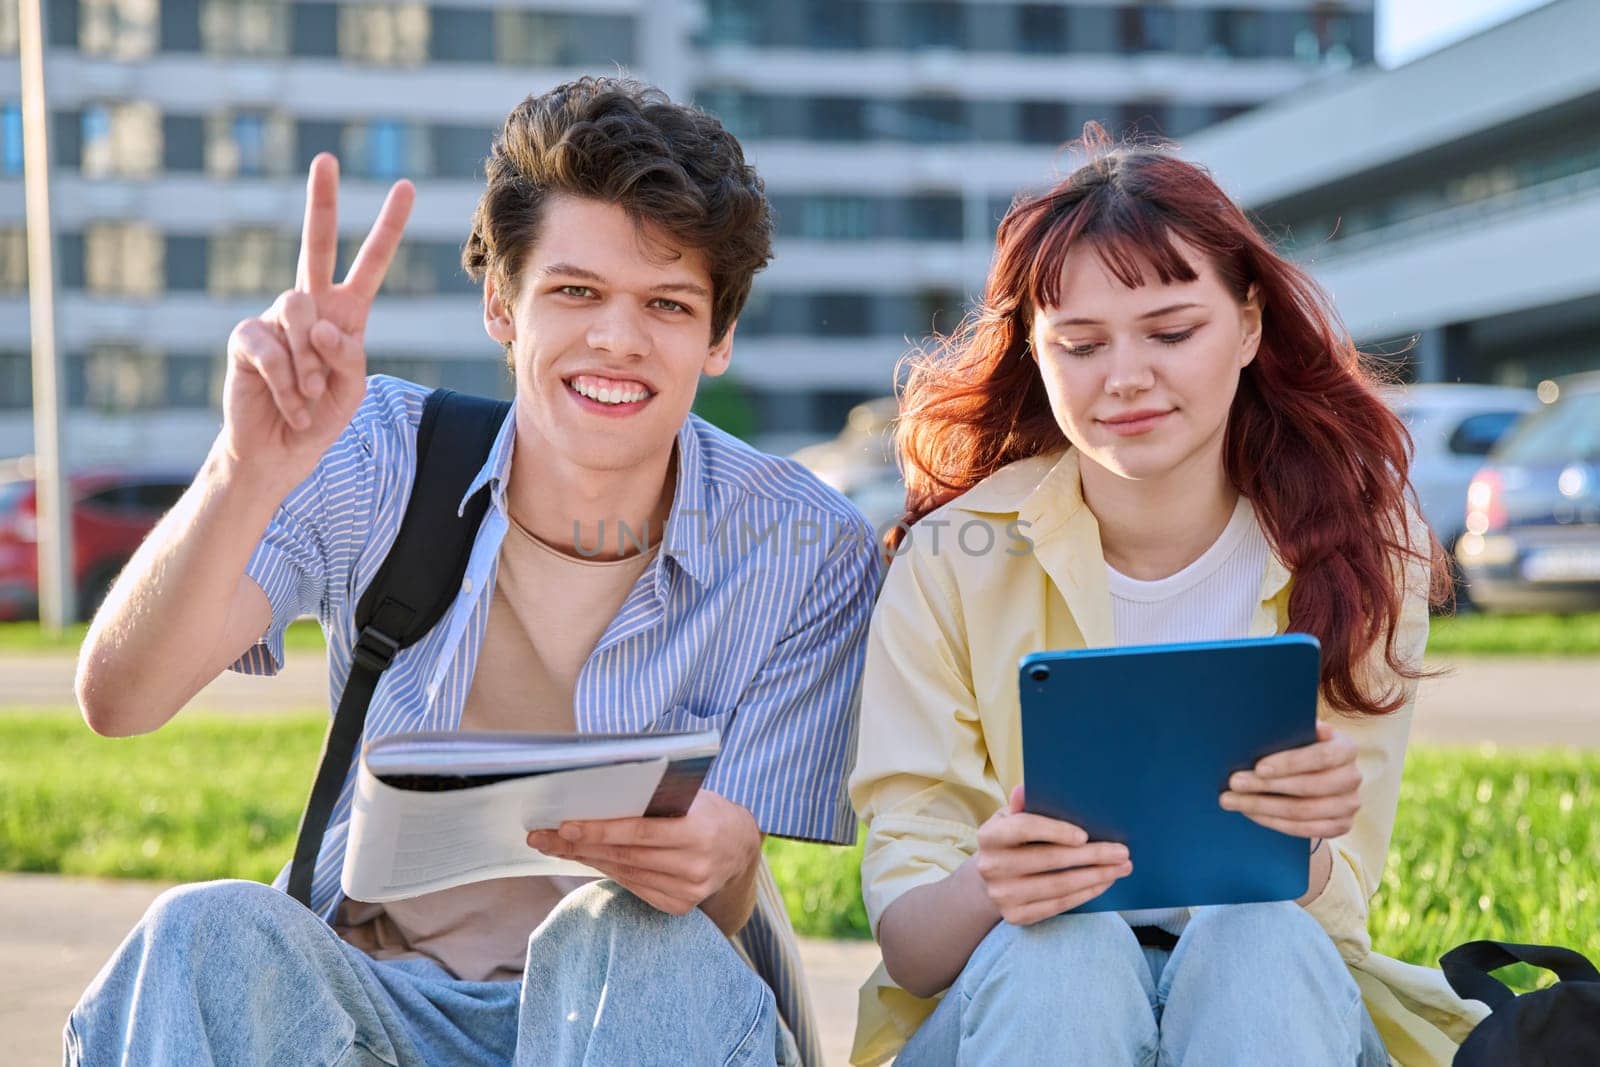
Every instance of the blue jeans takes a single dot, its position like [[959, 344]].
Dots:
[[1247, 985], [236, 973]]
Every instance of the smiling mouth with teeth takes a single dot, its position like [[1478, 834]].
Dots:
[[608, 390]]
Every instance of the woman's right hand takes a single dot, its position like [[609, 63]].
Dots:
[[1034, 867]]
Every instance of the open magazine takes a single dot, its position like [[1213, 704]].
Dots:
[[439, 809]]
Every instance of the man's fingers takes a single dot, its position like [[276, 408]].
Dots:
[[377, 251], [319, 234], [1345, 778], [640, 832], [260, 348], [642, 886], [297, 311]]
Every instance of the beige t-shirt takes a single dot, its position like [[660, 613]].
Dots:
[[548, 613]]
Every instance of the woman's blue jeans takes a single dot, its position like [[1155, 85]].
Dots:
[[1247, 985], [236, 973]]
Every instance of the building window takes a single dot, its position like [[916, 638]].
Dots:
[[841, 314], [410, 273], [120, 377], [548, 39], [13, 259], [249, 262], [838, 118], [11, 159], [390, 35], [837, 24], [933, 24], [121, 140], [16, 381], [936, 311], [1149, 27], [933, 217], [385, 148], [248, 144], [10, 29], [124, 259], [732, 21], [1239, 33], [827, 217], [118, 29], [1041, 29], [935, 120], [193, 381], [1043, 122], [744, 114], [245, 27]]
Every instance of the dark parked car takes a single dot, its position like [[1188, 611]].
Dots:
[[1533, 511], [112, 512]]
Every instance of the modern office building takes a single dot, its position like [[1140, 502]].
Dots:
[[891, 134], [1454, 200]]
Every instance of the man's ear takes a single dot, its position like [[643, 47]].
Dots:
[[1251, 312], [721, 354], [497, 314]]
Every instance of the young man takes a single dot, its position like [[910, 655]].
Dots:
[[616, 242]]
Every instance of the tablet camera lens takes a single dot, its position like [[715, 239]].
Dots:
[[1039, 672]]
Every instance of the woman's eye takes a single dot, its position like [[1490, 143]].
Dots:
[[1085, 349], [1176, 338]]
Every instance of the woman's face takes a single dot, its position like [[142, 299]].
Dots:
[[1141, 380]]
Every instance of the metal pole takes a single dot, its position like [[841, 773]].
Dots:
[[56, 607]]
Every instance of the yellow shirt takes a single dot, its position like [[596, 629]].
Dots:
[[941, 736]]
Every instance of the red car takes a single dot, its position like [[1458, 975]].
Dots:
[[113, 510]]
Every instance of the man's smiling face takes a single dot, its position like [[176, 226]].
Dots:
[[610, 331]]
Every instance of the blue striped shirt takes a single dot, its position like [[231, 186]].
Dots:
[[751, 619]]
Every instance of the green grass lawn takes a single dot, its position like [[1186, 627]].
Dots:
[[30, 637], [1499, 844], [1464, 635]]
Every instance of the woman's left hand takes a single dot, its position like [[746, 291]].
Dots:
[[1306, 792]]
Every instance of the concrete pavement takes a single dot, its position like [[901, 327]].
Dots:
[[56, 933]]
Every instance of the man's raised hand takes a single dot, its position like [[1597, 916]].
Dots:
[[297, 372]]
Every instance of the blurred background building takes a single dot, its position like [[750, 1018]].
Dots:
[[891, 133], [1454, 200]]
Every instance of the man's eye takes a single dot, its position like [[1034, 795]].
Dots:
[[671, 305], [576, 290]]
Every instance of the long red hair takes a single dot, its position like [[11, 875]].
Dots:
[[1309, 442]]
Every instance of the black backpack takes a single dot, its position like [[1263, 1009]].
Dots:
[[1554, 1027], [413, 588]]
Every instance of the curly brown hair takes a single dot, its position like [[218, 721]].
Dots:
[[623, 142]]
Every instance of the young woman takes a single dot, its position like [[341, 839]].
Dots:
[[1152, 430]]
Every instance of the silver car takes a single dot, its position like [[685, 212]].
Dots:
[[1453, 427]]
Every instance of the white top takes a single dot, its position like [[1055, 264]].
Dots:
[[1212, 599]]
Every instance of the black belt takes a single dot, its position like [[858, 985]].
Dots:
[[1156, 937]]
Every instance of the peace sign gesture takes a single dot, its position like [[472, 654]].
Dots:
[[297, 373]]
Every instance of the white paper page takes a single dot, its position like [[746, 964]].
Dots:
[[403, 842]]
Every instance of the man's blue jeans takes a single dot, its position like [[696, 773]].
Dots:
[[1248, 985], [236, 973]]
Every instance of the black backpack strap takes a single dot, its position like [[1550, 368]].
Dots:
[[1467, 967], [413, 588]]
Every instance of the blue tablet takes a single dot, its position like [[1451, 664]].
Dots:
[[1136, 744]]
